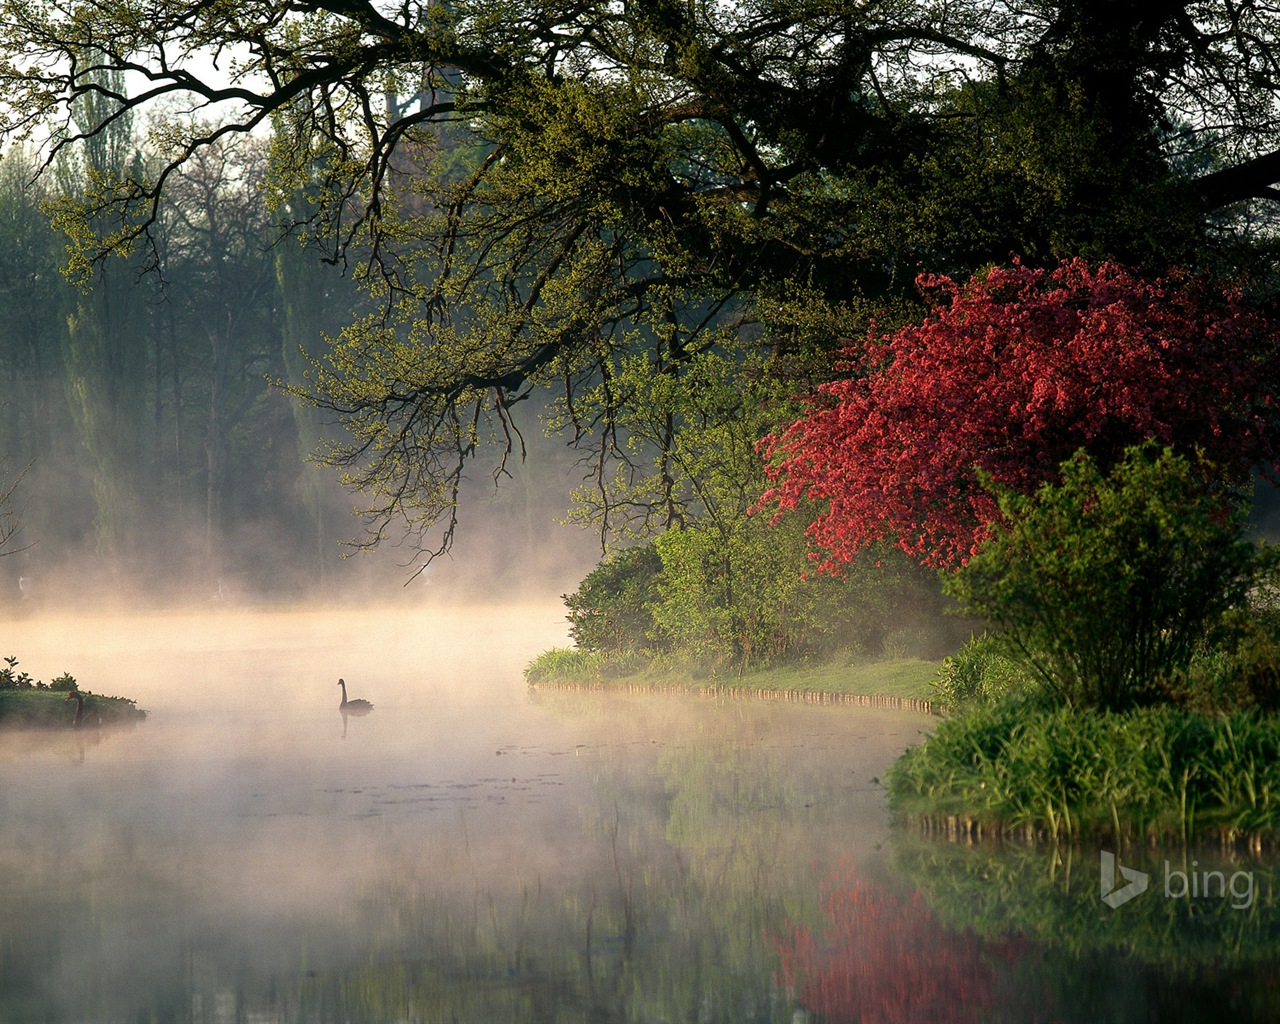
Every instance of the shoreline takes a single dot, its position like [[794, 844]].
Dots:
[[830, 697]]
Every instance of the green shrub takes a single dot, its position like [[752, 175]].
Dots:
[[1108, 585], [982, 671], [64, 683], [735, 593], [1239, 670], [12, 679], [610, 612], [742, 594]]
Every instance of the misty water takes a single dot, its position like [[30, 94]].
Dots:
[[472, 852]]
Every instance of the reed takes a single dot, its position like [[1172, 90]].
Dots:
[[1152, 774]]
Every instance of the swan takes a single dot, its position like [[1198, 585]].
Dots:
[[358, 706], [79, 721]]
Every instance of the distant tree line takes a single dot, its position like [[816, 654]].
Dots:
[[139, 393]]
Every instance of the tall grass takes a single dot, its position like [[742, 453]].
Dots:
[[982, 672], [1155, 773], [563, 664]]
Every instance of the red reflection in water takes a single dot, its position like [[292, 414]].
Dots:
[[882, 960]]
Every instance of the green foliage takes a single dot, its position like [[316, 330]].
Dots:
[[611, 611], [1145, 773], [734, 593], [29, 702], [1241, 669], [980, 673], [64, 683], [562, 664], [1107, 585], [682, 449], [726, 599], [12, 679]]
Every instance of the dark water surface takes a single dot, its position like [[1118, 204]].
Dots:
[[471, 853]]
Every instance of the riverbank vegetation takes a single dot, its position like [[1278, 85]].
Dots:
[[906, 682], [1129, 691], [1120, 582], [1145, 775], [60, 704], [682, 613]]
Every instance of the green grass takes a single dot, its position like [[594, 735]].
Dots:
[[909, 678], [51, 709], [904, 678], [1149, 774]]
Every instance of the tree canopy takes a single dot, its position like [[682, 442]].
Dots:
[[1007, 378], [537, 192]]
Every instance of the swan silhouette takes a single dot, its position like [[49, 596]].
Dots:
[[80, 722], [359, 706]]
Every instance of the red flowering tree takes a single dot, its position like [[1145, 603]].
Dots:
[[1012, 373]]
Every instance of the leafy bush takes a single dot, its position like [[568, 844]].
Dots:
[[64, 683], [611, 610], [741, 594], [736, 592], [1108, 585], [12, 679], [982, 671]]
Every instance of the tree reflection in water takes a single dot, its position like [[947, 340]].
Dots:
[[885, 959]]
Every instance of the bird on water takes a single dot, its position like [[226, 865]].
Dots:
[[79, 722], [359, 706]]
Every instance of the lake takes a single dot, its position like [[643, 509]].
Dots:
[[471, 852]]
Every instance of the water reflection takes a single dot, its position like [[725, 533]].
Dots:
[[469, 853], [1197, 940]]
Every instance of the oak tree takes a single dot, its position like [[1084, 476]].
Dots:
[[536, 191]]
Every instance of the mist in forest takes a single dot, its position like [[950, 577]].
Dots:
[[509, 544], [152, 452]]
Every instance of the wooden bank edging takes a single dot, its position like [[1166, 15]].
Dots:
[[863, 700]]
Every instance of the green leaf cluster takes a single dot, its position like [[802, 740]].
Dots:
[[1106, 586], [733, 595]]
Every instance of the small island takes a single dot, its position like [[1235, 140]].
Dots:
[[27, 703]]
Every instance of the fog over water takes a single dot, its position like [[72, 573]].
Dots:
[[473, 852], [247, 842]]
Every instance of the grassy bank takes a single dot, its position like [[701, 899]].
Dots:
[[50, 709], [907, 681], [1148, 775]]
